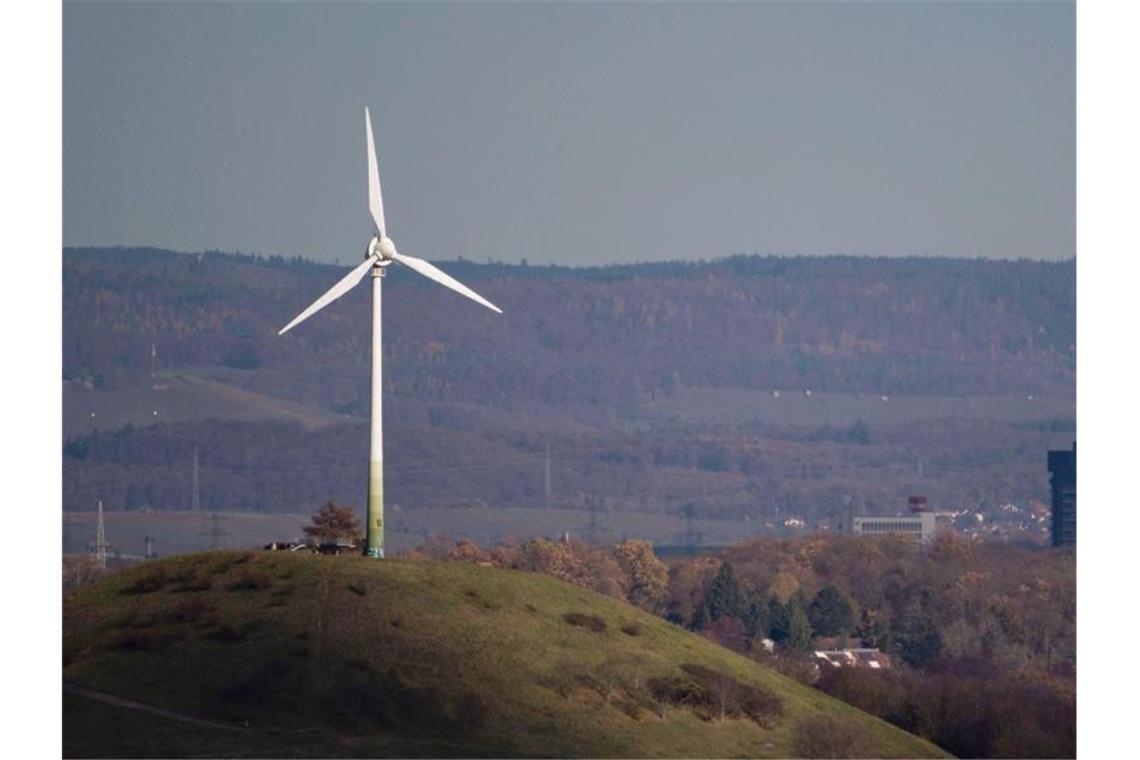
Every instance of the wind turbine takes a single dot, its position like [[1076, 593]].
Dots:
[[381, 252]]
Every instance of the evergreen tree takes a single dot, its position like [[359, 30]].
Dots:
[[724, 597], [756, 619], [799, 628], [830, 612], [916, 636], [777, 620]]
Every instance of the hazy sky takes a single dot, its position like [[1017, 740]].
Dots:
[[576, 133]]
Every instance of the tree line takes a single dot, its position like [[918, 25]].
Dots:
[[982, 637]]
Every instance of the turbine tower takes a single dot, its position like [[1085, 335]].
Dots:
[[380, 253], [195, 499], [100, 540]]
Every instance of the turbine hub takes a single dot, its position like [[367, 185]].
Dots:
[[382, 247]]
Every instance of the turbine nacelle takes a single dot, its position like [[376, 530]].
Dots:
[[382, 248]]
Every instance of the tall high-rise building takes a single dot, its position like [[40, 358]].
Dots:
[[1063, 485]]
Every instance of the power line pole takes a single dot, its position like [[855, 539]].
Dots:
[[546, 491], [691, 537], [215, 532], [592, 501], [195, 503], [100, 540]]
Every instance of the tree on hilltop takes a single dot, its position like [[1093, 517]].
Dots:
[[334, 523]]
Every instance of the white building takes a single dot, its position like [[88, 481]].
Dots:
[[919, 526]]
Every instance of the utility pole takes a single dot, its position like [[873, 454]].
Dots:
[[691, 536], [546, 491], [100, 540], [215, 532], [149, 551], [592, 502], [195, 503]]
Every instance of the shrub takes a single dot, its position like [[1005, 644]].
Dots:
[[591, 622], [191, 583], [250, 582], [145, 639], [135, 641], [189, 611], [830, 736], [232, 633], [148, 583], [715, 695], [470, 713]]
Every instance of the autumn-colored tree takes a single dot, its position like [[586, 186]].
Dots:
[[563, 560], [647, 576], [467, 551], [784, 585], [687, 581], [334, 523]]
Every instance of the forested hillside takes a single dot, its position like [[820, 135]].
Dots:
[[592, 339], [626, 371]]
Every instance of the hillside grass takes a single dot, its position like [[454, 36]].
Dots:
[[334, 656]]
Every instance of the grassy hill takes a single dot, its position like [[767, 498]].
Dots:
[[301, 656]]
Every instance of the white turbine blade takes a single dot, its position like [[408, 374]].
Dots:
[[333, 293], [375, 200], [433, 272]]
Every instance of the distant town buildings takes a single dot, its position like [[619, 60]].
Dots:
[[1063, 485], [853, 658], [920, 525]]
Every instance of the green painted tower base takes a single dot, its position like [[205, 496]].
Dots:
[[374, 535]]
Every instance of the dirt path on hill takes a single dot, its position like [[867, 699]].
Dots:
[[83, 691]]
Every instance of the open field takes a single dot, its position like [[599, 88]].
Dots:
[[182, 396], [468, 660], [796, 407], [196, 394]]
